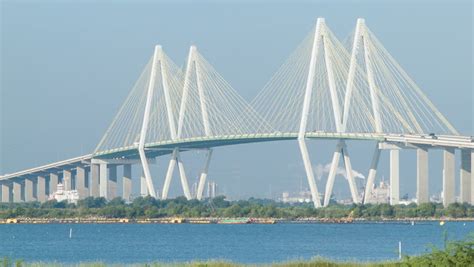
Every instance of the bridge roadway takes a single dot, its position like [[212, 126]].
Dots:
[[165, 147]]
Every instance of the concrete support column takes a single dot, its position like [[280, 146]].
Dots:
[[67, 180], [41, 189], [53, 183], [349, 174], [143, 186], [6, 190], [17, 191], [35, 188], [112, 183], [422, 192], [309, 171], [103, 180], [29, 190], [465, 176], [81, 182], [127, 182], [94, 181], [372, 173], [394, 176], [448, 176], [472, 177], [202, 178]]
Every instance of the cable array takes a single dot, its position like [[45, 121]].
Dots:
[[211, 100], [399, 104], [356, 88], [197, 91], [403, 107], [124, 131], [281, 100]]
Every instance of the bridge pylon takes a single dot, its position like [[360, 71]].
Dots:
[[323, 43], [372, 173], [304, 115], [146, 119], [341, 150], [192, 70]]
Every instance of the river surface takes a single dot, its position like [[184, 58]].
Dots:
[[141, 243]]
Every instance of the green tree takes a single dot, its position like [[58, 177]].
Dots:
[[270, 211], [386, 210], [426, 210], [233, 211], [113, 212], [118, 201], [220, 202], [92, 202], [152, 212], [456, 210]]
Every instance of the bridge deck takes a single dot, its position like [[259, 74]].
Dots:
[[60, 165], [165, 147]]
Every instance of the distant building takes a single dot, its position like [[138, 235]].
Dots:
[[407, 201], [300, 197], [211, 189], [346, 201], [380, 194], [71, 196], [194, 189]]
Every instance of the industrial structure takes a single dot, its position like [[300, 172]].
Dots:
[[323, 91]]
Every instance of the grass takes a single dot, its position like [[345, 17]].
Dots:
[[312, 263], [318, 262]]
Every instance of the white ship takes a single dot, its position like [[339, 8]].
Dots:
[[71, 196]]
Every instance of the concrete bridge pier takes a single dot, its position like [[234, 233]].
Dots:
[[16, 188], [372, 173], [143, 186], [472, 176], [394, 176], [422, 188], [202, 178], [41, 188], [341, 150], [103, 180], [112, 182], [28, 188], [67, 180], [6, 192], [127, 182], [309, 172], [466, 176], [169, 174], [448, 176], [80, 182], [53, 183], [94, 180], [35, 187], [176, 160]]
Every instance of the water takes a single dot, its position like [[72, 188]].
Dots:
[[139, 243]]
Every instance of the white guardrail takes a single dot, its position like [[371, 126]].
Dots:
[[466, 142]]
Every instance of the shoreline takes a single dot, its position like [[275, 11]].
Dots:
[[245, 220]]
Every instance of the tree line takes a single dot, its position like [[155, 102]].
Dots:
[[149, 207]]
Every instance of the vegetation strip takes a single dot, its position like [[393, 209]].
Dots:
[[148, 209]]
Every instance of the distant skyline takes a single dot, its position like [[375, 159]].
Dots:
[[67, 67]]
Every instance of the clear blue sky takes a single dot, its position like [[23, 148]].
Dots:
[[67, 67]]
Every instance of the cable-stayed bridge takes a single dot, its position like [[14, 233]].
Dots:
[[324, 90]]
